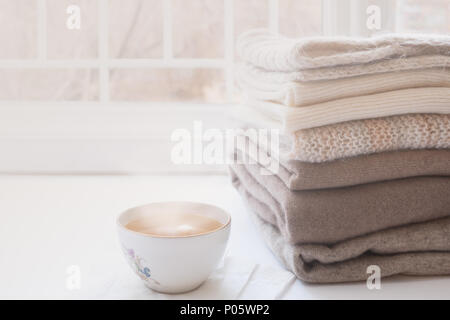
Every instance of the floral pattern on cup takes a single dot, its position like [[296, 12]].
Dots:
[[139, 265]]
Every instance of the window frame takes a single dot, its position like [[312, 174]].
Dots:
[[46, 137]]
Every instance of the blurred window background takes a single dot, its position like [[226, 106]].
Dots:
[[145, 52], [192, 39]]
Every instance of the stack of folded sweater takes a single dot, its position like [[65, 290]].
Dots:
[[364, 152]]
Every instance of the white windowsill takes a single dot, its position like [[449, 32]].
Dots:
[[120, 138], [84, 209]]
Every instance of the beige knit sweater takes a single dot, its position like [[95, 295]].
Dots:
[[342, 140], [359, 137], [390, 103], [348, 70], [299, 93], [274, 52]]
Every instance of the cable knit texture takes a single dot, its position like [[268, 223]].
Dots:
[[277, 53], [414, 131]]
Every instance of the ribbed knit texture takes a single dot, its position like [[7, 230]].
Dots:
[[289, 119], [307, 93]]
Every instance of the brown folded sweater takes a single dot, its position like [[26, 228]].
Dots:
[[299, 175], [332, 215], [416, 249]]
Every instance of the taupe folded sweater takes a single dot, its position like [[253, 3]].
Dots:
[[416, 249], [332, 215], [409, 248], [298, 175]]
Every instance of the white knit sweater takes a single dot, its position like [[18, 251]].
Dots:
[[289, 119], [306, 93], [277, 53], [343, 71]]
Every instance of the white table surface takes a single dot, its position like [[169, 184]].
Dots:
[[49, 223]]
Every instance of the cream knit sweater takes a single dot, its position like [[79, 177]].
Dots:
[[413, 131], [289, 119], [354, 138], [306, 93], [277, 53], [343, 71]]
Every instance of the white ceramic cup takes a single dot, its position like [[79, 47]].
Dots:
[[172, 264]]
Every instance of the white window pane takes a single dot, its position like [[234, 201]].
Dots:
[[250, 14], [49, 85], [431, 16], [66, 43], [18, 32], [188, 85], [198, 28], [135, 28], [300, 18]]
